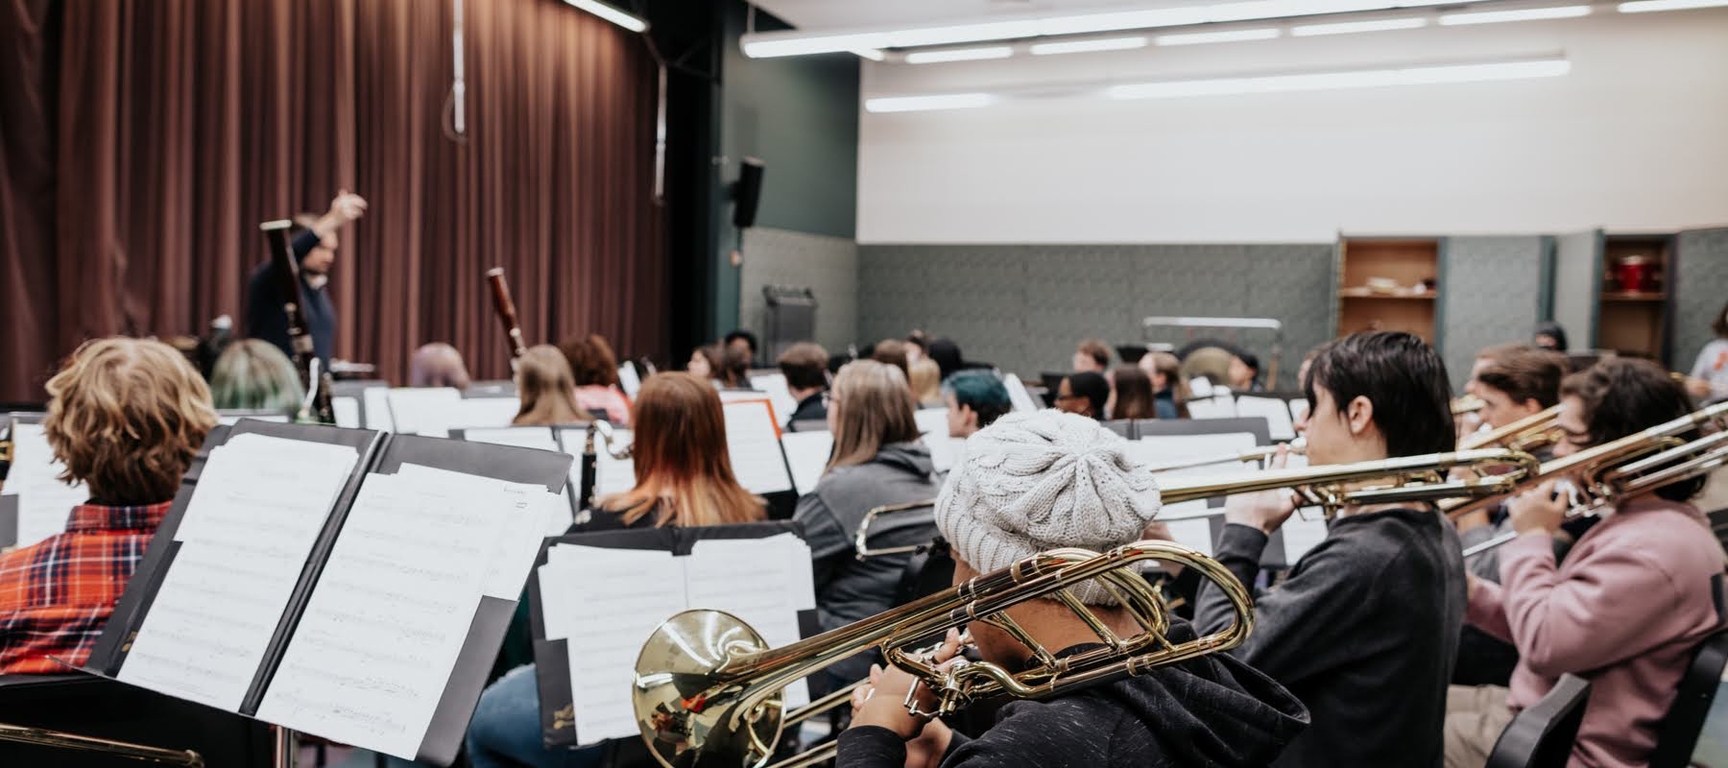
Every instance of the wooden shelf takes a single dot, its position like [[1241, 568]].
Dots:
[[1635, 322], [1369, 293], [1404, 261], [1634, 296]]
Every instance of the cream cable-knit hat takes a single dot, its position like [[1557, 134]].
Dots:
[[1038, 481]]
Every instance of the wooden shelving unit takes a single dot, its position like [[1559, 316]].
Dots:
[[1412, 265], [1635, 322]]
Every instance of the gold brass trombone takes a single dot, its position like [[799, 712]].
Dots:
[[46, 738], [1531, 432], [861, 541], [1258, 455], [708, 690]]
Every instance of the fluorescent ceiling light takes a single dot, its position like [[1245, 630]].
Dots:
[[1369, 78], [960, 54], [1527, 14], [1351, 27], [611, 14], [923, 103], [798, 43], [1088, 46], [871, 54], [1643, 6], [1231, 36]]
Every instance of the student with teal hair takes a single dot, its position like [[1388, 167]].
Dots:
[[975, 400]]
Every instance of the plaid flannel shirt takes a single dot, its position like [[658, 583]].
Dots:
[[56, 595]]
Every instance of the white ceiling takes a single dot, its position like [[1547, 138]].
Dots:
[[834, 14]]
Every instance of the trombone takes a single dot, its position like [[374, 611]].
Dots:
[[1258, 455], [1534, 431], [708, 690], [1466, 404], [46, 738], [861, 541], [1635, 464]]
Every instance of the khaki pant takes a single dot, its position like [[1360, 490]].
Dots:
[[1475, 716]]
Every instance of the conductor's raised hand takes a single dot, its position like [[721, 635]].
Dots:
[[347, 206]]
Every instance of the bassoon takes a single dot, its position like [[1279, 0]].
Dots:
[[314, 380]]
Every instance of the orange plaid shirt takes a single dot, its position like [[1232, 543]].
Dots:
[[57, 594]]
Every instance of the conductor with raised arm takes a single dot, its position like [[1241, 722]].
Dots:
[[314, 245]]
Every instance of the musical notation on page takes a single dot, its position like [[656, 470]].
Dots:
[[1196, 531], [753, 444]]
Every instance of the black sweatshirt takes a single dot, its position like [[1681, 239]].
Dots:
[[264, 315], [1210, 711], [1364, 631]]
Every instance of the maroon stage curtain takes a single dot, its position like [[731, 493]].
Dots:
[[142, 141]]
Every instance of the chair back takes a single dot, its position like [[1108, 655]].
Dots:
[[1542, 736], [1677, 736]]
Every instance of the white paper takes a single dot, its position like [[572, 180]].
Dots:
[[611, 475], [231, 419], [422, 411], [754, 580], [246, 535], [382, 630], [1305, 529], [474, 412], [377, 401], [945, 451], [1275, 411], [521, 437], [1199, 387], [779, 394], [753, 444], [808, 454], [1018, 395], [1298, 409], [347, 412], [44, 503], [1196, 530], [628, 380], [1220, 407]]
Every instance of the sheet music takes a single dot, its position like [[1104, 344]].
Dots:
[[753, 443], [1018, 395], [779, 394], [347, 412], [1199, 387], [1196, 530], [611, 475], [539, 438], [1218, 407], [474, 412], [245, 537], [392, 608], [598, 600], [44, 503], [423, 411], [377, 400], [1275, 411], [230, 419], [807, 453], [1305, 529], [628, 380], [945, 451], [1298, 409]]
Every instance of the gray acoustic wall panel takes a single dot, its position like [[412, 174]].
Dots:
[[1700, 288], [1491, 295], [1577, 280], [1024, 307], [828, 265]]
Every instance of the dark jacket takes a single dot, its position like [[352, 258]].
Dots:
[[1210, 711], [266, 320], [848, 589], [812, 408], [1364, 631]]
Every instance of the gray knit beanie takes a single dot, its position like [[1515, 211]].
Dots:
[[1043, 480]]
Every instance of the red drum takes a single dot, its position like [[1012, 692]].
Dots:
[[1635, 273]]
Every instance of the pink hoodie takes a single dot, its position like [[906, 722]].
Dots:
[[1625, 610]]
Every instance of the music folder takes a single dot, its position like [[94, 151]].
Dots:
[[242, 619], [561, 720]]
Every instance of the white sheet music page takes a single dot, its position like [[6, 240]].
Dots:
[[44, 503], [377, 401], [807, 453], [1220, 406], [1196, 530], [779, 394], [754, 580], [483, 412], [628, 380], [1275, 411], [1305, 529], [1018, 395], [423, 411], [605, 603], [521, 437], [945, 451], [247, 533], [347, 412], [380, 635], [753, 443]]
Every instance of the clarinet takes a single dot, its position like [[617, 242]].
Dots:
[[599, 435], [506, 312], [317, 406]]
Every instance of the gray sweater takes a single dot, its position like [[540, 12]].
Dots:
[[1364, 631]]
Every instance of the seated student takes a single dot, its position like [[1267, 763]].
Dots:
[[547, 389], [1626, 608], [996, 510], [917, 347], [893, 352], [438, 365], [707, 362], [1245, 373], [744, 343], [926, 383], [1365, 627], [1709, 377], [252, 374], [125, 417], [947, 356], [734, 372], [1550, 336], [805, 366], [683, 478], [1092, 356], [1467, 423], [877, 460], [1170, 398], [1131, 395], [595, 371], [975, 400], [1084, 394]]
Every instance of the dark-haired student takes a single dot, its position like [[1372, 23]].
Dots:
[[1169, 397], [805, 366], [125, 417], [947, 356], [975, 400], [1092, 356], [1131, 394], [1364, 629], [1083, 393], [1632, 599], [743, 342]]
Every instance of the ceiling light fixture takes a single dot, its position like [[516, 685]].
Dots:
[[1230, 36], [1088, 46], [1351, 27], [1527, 14], [612, 14], [960, 54], [926, 103], [1644, 6], [1366, 78]]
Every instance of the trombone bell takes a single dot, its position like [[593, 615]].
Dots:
[[686, 653]]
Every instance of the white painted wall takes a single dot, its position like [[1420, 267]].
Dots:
[[1636, 137]]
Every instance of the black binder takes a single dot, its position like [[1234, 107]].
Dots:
[[552, 657], [380, 453]]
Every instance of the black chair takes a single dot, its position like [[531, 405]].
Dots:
[[94, 706], [1677, 736], [1122, 427], [1542, 736]]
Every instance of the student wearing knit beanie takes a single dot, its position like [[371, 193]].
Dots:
[[1038, 481]]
